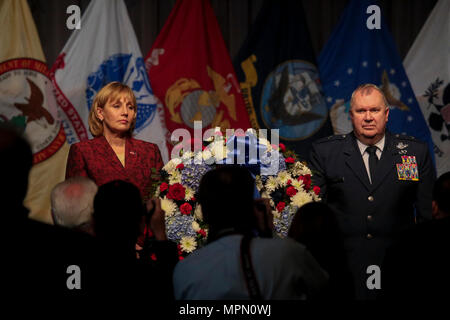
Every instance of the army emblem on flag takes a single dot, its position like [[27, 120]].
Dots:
[[28, 103]]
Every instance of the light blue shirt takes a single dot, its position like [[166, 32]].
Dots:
[[284, 269]]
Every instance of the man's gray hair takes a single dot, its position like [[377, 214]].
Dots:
[[73, 202], [366, 89]]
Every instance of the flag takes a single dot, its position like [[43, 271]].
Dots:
[[427, 65], [105, 49], [276, 68], [27, 102], [190, 70], [359, 53]]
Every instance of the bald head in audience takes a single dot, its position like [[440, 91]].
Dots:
[[73, 203]]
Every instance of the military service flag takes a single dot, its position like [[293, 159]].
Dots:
[[190, 70], [428, 68], [276, 68], [103, 50], [27, 102], [361, 50]]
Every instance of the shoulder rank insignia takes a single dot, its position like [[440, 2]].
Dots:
[[407, 170]]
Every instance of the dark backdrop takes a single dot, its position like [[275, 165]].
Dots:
[[405, 18]]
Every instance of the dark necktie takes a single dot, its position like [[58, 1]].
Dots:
[[373, 161]]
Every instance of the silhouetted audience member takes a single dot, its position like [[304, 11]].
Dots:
[[233, 265], [417, 267], [36, 256], [73, 204], [119, 216], [314, 225]]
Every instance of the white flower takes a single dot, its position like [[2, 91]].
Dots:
[[251, 131], [171, 165], [198, 214], [188, 244], [283, 177], [301, 198], [297, 184], [276, 214], [316, 197], [175, 177], [189, 193], [302, 168], [218, 150], [195, 226], [266, 142], [265, 195], [258, 182], [271, 184], [187, 155], [168, 206], [206, 154]]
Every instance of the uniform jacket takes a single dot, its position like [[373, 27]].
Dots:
[[370, 214], [97, 160]]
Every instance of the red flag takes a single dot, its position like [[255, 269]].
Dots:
[[191, 72]]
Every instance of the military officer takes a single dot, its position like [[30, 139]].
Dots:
[[376, 182]]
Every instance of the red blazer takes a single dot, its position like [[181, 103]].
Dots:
[[96, 159]]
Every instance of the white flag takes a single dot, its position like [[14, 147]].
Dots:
[[105, 49], [27, 102], [428, 68]]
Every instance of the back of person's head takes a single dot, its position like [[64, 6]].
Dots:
[[16, 159], [315, 225], [441, 196], [73, 203], [118, 212], [226, 197]]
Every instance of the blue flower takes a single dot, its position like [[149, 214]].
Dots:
[[192, 174], [282, 224], [178, 226]]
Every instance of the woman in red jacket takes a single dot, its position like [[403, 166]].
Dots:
[[113, 154]]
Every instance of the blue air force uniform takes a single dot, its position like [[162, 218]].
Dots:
[[369, 212]]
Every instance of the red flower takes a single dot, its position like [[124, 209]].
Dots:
[[163, 187], [282, 147], [180, 258], [193, 199], [291, 191], [289, 160], [316, 190], [186, 208], [280, 206], [306, 180], [202, 233], [176, 192], [153, 257], [180, 166], [289, 182]]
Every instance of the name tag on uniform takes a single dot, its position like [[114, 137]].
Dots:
[[407, 170]]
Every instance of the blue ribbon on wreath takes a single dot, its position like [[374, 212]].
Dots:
[[246, 151]]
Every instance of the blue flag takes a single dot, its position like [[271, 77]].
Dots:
[[276, 68], [361, 50]]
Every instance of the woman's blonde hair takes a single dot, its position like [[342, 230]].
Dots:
[[111, 91]]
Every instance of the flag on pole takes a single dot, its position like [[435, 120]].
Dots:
[[27, 102], [191, 71], [427, 65], [361, 50], [105, 49], [276, 68]]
